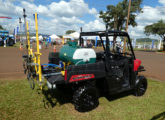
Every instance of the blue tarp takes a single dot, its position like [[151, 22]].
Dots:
[[4, 33], [49, 39]]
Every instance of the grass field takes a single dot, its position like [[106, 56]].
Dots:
[[18, 101]]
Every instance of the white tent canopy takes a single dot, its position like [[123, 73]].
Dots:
[[40, 38], [33, 38], [54, 37], [67, 36], [75, 35]]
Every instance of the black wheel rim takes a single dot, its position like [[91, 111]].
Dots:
[[141, 89]]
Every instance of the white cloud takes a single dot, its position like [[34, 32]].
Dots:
[[149, 16], [42, 9], [95, 25], [72, 20], [76, 8], [56, 17], [9, 9], [162, 2], [31, 0], [93, 11]]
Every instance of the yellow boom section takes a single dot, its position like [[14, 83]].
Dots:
[[38, 54], [30, 52]]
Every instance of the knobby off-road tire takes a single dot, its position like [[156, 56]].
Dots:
[[85, 98], [141, 86]]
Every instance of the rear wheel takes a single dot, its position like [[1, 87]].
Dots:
[[85, 98], [141, 86]]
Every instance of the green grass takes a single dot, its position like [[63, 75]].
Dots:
[[18, 101], [16, 45]]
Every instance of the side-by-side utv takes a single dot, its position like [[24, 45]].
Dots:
[[87, 73]]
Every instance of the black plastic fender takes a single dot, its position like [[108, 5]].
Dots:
[[140, 79]]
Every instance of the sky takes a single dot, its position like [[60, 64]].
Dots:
[[58, 16]]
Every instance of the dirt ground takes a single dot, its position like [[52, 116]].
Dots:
[[11, 63], [154, 64]]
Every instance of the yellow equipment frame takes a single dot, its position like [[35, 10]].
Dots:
[[30, 52], [36, 56]]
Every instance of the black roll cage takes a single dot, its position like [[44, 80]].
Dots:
[[107, 34]]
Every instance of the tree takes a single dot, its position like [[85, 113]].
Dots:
[[70, 31], [156, 29], [116, 16]]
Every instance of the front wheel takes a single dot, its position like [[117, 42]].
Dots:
[[141, 86], [85, 98]]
